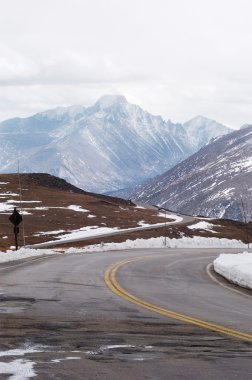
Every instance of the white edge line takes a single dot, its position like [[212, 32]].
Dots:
[[223, 285], [30, 260]]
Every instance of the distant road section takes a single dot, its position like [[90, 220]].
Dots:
[[87, 235]]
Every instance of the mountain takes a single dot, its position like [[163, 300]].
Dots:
[[103, 148], [214, 182], [201, 130]]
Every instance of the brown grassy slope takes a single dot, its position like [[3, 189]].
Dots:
[[50, 213]]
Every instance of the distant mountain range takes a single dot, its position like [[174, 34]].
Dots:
[[215, 182], [103, 148]]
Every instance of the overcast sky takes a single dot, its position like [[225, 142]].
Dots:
[[175, 58]]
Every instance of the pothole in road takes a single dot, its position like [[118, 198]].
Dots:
[[176, 348], [124, 352], [10, 305]]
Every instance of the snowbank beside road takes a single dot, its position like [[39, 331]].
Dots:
[[24, 253], [236, 268], [184, 242]]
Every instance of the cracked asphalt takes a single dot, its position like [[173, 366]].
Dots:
[[61, 306]]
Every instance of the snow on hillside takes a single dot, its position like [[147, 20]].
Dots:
[[210, 183]]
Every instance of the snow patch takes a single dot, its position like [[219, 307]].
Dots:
[[23, 351], [203, 226], [9, 194], [142, 223], [170, 216], [77, 208], [49, 233], [19, 369], [4, 207], [67, 358]]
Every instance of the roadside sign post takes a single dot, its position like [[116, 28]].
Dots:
[[165, 228], [16, 219]]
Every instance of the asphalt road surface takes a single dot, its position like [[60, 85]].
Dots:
[[157, 315]]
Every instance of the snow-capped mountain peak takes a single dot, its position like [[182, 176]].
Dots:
[[201, 128], [199, 120], [108, 101], [105, 147]]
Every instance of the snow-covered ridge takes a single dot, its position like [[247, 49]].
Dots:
[[106, 147], [60, 112]]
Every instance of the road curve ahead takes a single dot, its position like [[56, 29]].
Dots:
[[180, 220], [188, 303], [61, 308]]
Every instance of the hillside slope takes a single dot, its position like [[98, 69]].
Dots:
[[53, 210], [209, 183]]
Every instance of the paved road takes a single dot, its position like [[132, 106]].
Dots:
[[184, 219], [88, 332], [181, 283]]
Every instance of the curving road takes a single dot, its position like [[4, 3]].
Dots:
[[179, 288], [181, 220], [89, 332]]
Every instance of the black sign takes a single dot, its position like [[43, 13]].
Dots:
[[15, 218]]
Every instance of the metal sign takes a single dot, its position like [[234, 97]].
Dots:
[[16, 219]]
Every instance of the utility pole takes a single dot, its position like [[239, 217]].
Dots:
[[20, 201], [245, 219], [165, 227]]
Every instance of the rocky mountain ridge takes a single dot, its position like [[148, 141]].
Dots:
[[103, 148]]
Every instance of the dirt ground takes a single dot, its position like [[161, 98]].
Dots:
[[45, 205]]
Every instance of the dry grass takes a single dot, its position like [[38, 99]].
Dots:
[[54, 195]]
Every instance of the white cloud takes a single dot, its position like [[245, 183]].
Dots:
[[174, 58]]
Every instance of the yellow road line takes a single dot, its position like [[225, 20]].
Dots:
[[112, 283]]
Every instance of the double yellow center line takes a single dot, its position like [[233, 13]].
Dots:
[[114, 286]]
